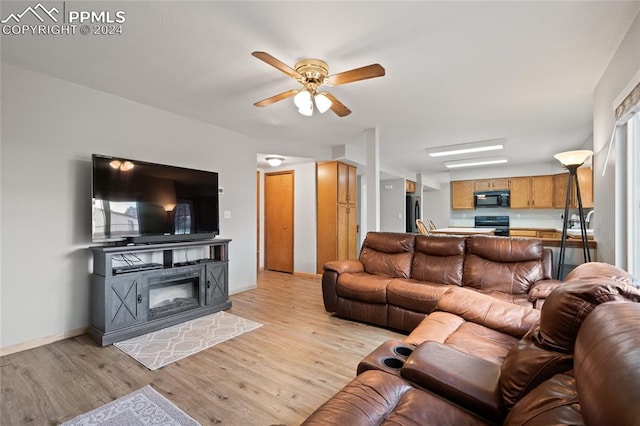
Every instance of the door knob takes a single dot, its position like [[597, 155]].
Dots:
[[285, 226]]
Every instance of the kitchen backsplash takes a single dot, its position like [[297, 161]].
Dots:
[[525, 218]]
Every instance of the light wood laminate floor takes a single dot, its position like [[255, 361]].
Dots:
[[277, 374]]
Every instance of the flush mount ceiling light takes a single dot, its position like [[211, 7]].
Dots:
[[274, 161], [573, 158], [472, 162], [466, 148]]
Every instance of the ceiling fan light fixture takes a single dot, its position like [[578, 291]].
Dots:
[[274, 161], [302, 99], [323, 103]]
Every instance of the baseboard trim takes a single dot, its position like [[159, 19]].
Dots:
[[308, 274], [19, 347]]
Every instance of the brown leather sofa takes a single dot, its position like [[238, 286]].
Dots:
[[575, 363], [399, 278]]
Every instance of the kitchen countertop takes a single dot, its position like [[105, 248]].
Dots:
[[572, 240], [464, 231]]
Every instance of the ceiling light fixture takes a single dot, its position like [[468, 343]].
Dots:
[[466, 148], [476, 162], [274, 161], [305, 98]]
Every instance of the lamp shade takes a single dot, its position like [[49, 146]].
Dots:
[[573, 158], [322, 102]]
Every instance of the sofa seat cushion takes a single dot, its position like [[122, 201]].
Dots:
[[517, 299], [468, 337], [380, 398], [363, 287], [418, 296]]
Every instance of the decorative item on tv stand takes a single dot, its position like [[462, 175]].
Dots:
[[571, 160]]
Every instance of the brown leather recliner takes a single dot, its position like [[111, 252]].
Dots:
[[531, 383]]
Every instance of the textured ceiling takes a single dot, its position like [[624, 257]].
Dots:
[[455, 71]]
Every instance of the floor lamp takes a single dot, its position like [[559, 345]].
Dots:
[[571, 160]]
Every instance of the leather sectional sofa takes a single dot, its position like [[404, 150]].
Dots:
[[399, 278], [480, 360]]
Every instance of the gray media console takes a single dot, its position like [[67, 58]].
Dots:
[[143, 288]]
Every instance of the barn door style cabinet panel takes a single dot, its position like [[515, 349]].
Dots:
[[336, 212], [143, 288]]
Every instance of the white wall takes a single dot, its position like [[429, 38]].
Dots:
[[624, 65], [436, 206], [392, 205], [304, 216], [50, 128]]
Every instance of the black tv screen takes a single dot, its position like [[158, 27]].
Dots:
[[145, 202]]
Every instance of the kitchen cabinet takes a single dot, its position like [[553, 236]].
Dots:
[[491, 184], [410, 187], [532, 192], [462, 194], [585, 179], [535, 233], [336, 212]]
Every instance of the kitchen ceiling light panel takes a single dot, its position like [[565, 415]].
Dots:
[[473, 162], [466, 148]]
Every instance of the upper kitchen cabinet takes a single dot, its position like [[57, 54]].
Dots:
[[492, 184], [585, 179], [462, 194], [532, 192]]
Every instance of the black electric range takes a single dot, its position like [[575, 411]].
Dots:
[[500, 223]]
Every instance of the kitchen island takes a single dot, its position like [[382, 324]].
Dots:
[[464, 231]]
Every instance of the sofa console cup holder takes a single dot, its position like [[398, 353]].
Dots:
[[403, 351], [393, 363]]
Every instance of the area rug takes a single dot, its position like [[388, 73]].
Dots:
[[162, 347], [142, 407]]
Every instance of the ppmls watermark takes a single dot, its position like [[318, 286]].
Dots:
[[62, 18]]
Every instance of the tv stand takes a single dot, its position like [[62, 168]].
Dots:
[[142, 288]]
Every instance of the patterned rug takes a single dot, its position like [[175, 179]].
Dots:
[[142, 407], [162, 347]]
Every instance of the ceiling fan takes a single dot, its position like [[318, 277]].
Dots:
[[313, 73]]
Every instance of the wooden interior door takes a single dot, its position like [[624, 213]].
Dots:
[[258, 220], [278, 221]]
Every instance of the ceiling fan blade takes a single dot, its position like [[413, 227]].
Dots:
[[337, 106], [357, 74], [276, 98], [263, 56]]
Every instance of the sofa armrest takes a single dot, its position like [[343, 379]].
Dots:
[[470, 382], [542, 289], [344, 266]]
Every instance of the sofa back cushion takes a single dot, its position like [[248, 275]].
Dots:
[[388, 253], [568, 306], [607, 357], [438, 259], [510, 265]]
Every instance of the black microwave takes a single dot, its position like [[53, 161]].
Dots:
[[491, 199]]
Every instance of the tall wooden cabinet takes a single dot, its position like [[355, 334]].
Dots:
[[336, 212]]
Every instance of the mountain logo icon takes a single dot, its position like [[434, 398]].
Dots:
[[38, 11]]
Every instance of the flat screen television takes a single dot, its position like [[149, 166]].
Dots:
[[141, 202]]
